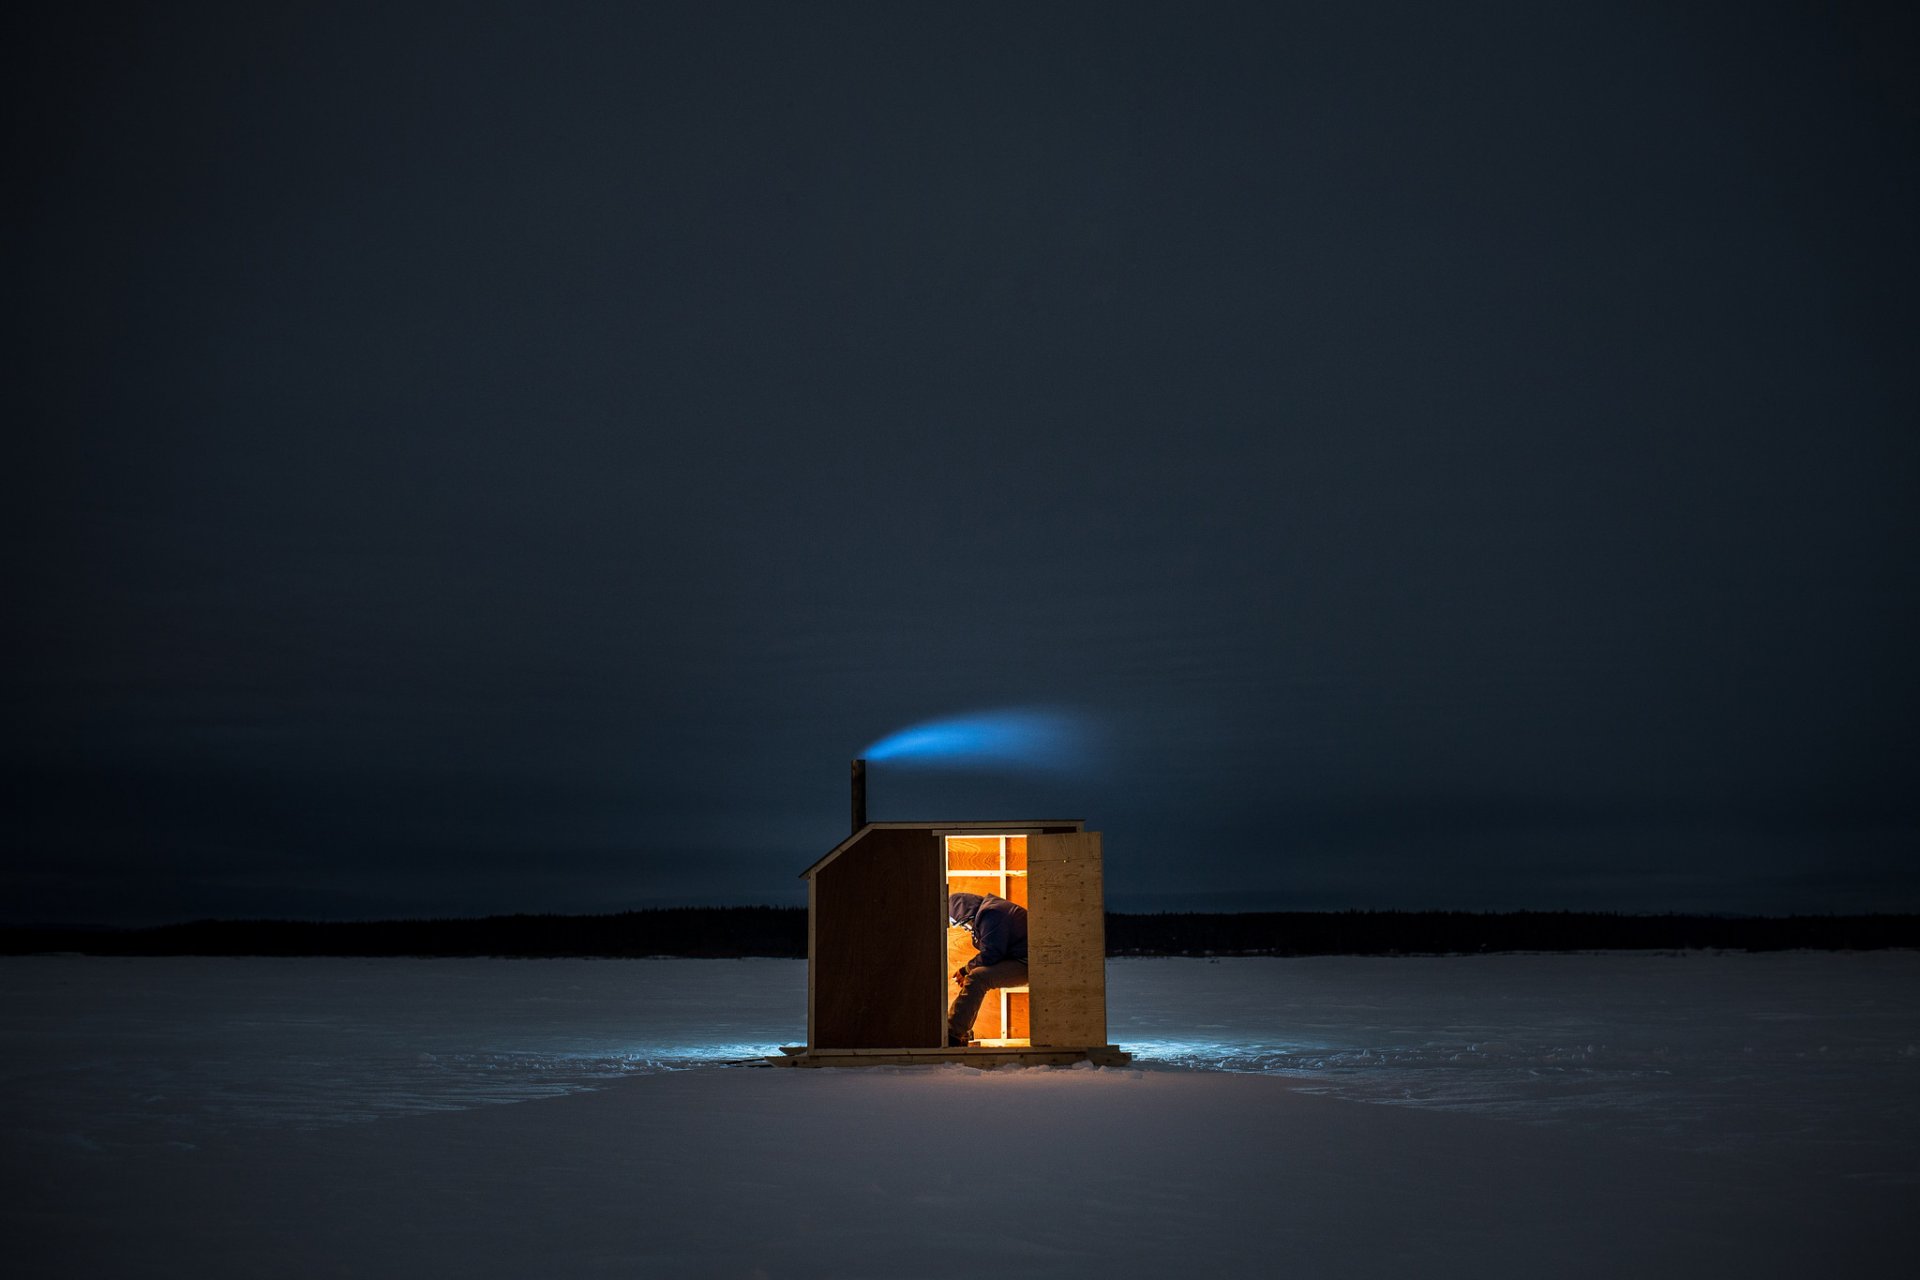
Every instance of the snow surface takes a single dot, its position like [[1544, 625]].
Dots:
[[1596, 1115]]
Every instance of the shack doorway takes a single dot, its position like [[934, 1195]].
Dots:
[[985, 864]]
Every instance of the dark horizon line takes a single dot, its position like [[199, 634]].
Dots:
[[781, 932], [83, 926]]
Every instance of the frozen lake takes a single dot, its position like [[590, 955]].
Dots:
[[1816, 1052]]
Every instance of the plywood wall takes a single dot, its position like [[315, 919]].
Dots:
[[877, 913], [1067, 940]]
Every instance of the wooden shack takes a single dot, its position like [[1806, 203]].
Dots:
[[880, 955]]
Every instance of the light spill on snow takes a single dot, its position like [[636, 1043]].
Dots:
[[1696, 1051], [120, 1049]]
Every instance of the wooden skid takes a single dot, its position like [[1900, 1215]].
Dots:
[[1101, 1055]]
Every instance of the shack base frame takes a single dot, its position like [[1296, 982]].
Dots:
[[986, 1057]]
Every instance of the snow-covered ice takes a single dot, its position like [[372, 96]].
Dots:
[[1558, 1115], [1690, 1050]]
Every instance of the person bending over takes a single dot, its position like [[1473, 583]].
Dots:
[[999, 930]]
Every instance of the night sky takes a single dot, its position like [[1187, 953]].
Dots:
[[468, 458]]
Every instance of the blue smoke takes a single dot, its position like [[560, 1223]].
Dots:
[[1025, 737]]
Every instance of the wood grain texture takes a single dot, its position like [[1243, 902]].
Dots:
[[984, 1057], [1066, 940], [877, 919], [1019, 1026], [951, 827]]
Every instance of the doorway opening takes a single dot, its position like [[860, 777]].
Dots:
[[986, 864]]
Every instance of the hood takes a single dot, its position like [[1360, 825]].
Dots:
[[963, 907]]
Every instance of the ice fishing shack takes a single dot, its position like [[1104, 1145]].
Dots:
[[881, 954]]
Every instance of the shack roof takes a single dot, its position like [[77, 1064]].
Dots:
[[1011, 826]]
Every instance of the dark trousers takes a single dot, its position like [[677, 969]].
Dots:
[[966, 1005]]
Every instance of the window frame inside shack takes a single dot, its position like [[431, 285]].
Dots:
[[1005, 878]]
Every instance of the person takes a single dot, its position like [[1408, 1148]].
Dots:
[[999, 930]]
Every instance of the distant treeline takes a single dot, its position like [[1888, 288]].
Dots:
[[782, 932], [674, 931], [1370, 933]]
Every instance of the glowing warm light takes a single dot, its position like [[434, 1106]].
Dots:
[[985, 864], [1028, 737]]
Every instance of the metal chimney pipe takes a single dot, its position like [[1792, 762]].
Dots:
[[859, 794]]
